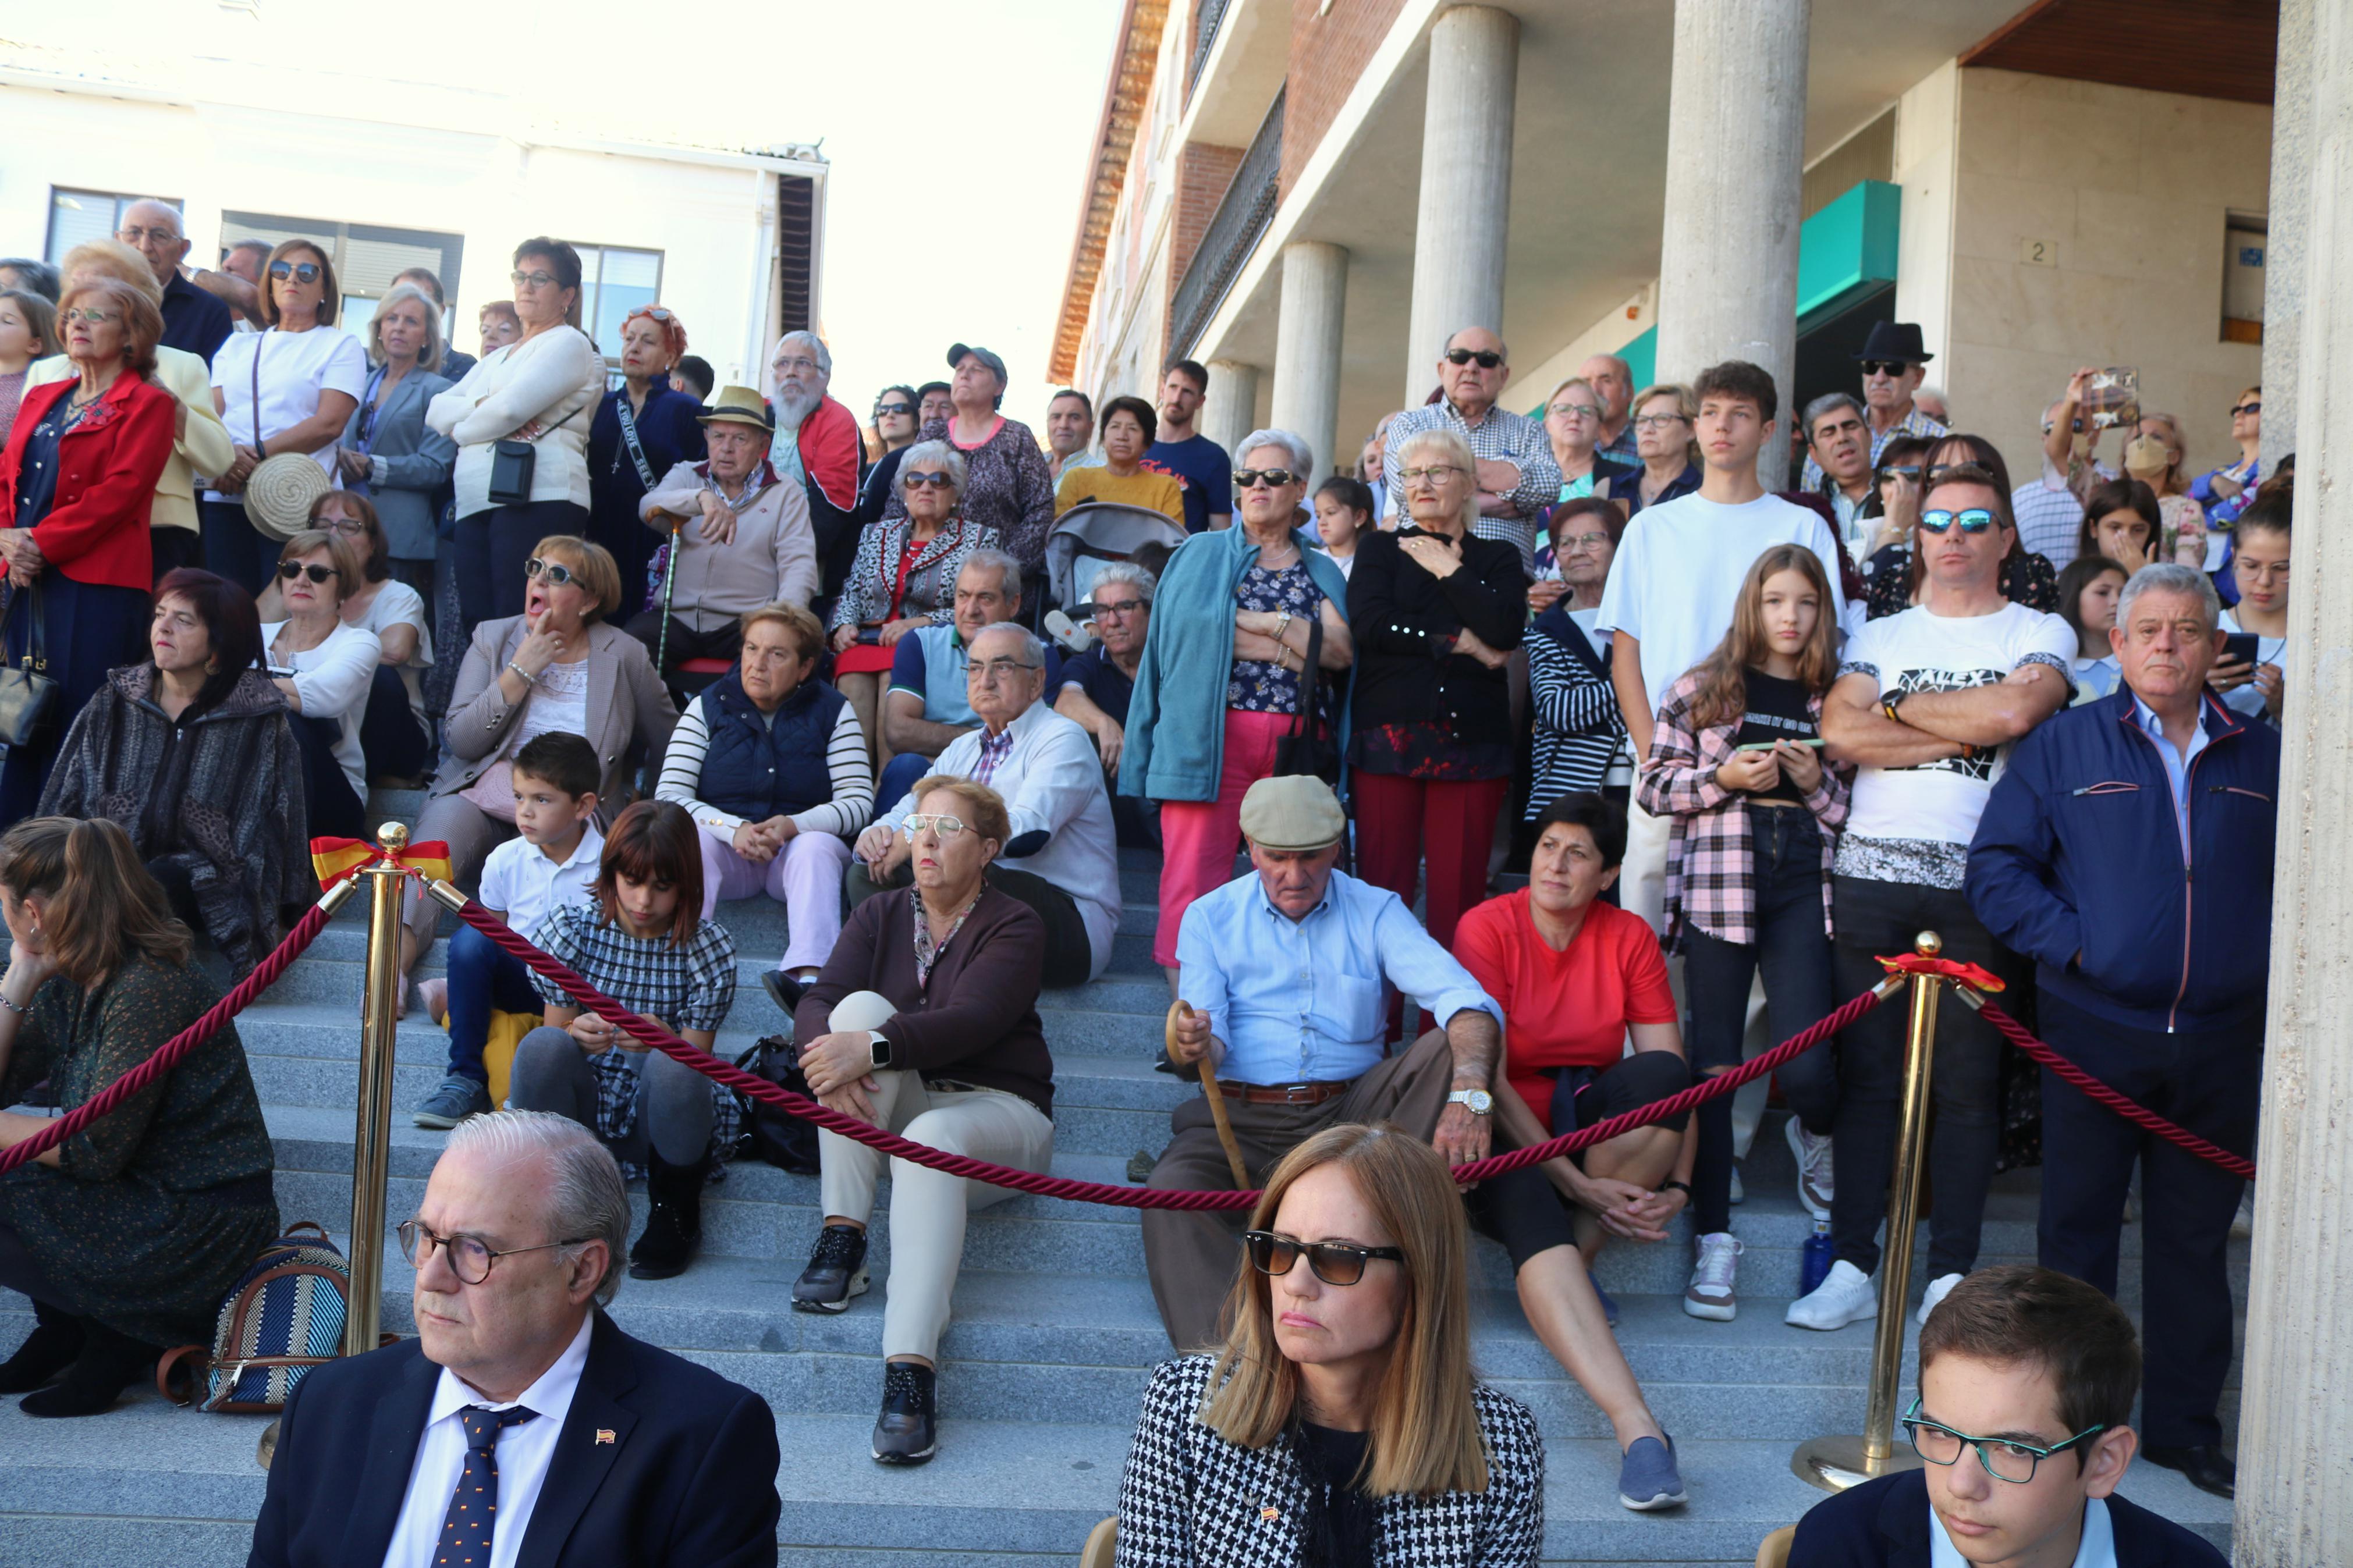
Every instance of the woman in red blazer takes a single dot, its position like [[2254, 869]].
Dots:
[[75, 480]]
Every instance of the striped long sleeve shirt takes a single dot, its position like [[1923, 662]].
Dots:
[[851, 807]]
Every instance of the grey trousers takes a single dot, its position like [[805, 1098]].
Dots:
[[550, 1073]]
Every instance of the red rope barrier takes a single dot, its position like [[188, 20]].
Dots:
[[168, 1054], [2139, 1115]]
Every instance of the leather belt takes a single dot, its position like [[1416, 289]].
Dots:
[[1284, 1093]]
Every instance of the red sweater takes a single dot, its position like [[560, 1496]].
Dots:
[[96, 530]]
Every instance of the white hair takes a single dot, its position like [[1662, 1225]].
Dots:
[[2172, 577], [812, 341], [585, 1200], [1127, 571], [1033, 652], [1301, 456], [924, 455], [434, 348]]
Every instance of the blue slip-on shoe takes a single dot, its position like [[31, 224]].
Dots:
[[1647, 1477], [1609, 1302]]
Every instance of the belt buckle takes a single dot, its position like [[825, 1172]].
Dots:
[[1302, 1093]]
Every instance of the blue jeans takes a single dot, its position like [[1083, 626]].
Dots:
[[483, 978]]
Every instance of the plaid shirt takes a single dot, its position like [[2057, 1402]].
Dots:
[[1711, 879], [1503, 437], [1912, 424], [687, 987], [994, 749], [1623, 450]]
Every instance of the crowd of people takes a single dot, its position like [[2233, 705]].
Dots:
[[1572, 767]]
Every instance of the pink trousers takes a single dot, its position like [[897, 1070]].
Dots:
[[1198, 837], [805, 877]]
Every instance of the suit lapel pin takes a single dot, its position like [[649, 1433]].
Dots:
[[604, 1434], [1269, 1513]]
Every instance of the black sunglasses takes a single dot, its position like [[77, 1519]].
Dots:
[[2247, 408], [289, 570], [1248, 479], [918, 480], [1884, 366], [1901, 471], [1334, 1262], [556, 572], [884, 410], [1488, 358], [300, 271]]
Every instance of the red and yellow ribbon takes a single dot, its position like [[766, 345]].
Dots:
[[338, 859], [1949, 968]]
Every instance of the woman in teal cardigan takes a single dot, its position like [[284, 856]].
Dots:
[[1244, 601]]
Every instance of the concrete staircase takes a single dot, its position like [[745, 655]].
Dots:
[[1054, 1332]]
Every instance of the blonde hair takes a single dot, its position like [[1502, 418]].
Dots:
[[596, 570], [115, 260], [1686, 406], [989, 817], [351, 572], [1455, 450], [807, 631], [1425, 1428], [431, 358]]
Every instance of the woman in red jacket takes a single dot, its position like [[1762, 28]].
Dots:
[[75, 480]]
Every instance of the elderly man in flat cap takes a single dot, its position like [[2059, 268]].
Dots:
[[1289, 972]]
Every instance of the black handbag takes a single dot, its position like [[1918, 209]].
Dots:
[[513, 462], [785, 1141], [28, 697], [1303, 751]]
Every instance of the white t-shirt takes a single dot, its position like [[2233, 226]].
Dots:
[[2248, 699], [1914, 825], [332, 680], [296, 367], [1678, 573], [521, 883], [398, 604]]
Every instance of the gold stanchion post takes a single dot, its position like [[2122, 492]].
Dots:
[[372, 1140], [1838, 1461]]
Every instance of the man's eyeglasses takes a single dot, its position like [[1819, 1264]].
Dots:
[[470, 1255], [2004, 1458], [289, 570], [915, 481], [1122, 608], [1977, 520], [1577, 410], [795, 365], [1334, 1262], [300, 271], [531, 280], [892, 410], [1251, 478], [1656, 421], [1435, 474], [998, 668], [946, 827], [1488, 359], [1887, 367], [2247, 408], [556, 572], [135, 234]]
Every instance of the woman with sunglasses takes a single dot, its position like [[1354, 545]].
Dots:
[[925, 1023], [1245, 602], [1894, 577], [526, 404], [291, 388], [323, 666], [642, 430], [558, 666], [895, 422], [1340, 1421]]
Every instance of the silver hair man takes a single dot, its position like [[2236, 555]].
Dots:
[[1127, 571], [800, 370], [585, 1197], [1007, 570], [2172, 577]]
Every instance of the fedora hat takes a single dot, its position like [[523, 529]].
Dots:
[[1894, 340], [739, 405], [280, 490]]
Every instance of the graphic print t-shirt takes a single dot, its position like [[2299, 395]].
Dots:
[[1914, 825], [1776, 711]]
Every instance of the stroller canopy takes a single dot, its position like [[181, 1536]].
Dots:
[[1093, 533]]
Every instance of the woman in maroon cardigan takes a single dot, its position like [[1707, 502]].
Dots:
[[76, 481], [948, 1053]]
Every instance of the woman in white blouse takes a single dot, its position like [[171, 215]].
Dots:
[[288, 389], [322, 667], [394, 733], [537, 394]]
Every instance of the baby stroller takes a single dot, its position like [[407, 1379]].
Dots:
[[1091, 535]]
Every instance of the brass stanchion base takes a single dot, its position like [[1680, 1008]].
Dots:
[[1836, 1463]]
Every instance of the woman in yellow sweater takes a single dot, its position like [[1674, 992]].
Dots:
[[1128, 428]]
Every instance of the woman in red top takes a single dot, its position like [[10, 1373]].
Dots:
[[76, 481]]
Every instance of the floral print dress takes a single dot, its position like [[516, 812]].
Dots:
[[1254, 685]]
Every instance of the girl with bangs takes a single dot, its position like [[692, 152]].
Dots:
[[644, 942], [1735, 762]]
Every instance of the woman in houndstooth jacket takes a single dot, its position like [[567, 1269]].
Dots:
[[1340, 1423]]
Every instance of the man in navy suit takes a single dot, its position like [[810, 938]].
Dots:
[[520, 1429], [2027, 1380]]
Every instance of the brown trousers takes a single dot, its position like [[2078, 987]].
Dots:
[[1192, 1257]]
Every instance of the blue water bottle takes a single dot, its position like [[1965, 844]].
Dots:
[[1814, 1259]]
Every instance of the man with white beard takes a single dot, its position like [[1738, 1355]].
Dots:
[[816, 446]]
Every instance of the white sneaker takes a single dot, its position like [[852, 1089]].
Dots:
[[1076, 639], [1709, 1295], [1740, 1193], [1847, 1295], [1813, 1155], [1938, 1288]]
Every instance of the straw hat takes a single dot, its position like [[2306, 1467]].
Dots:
[[279, 492], [739, 405]]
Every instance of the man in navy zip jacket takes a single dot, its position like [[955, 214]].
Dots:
[[2129, 851]]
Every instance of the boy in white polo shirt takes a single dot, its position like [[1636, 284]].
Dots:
[[552, 861]]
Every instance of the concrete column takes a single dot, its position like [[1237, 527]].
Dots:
[[2295, 1421], [1466, 185], [1230, 409], [1307, 345], [2289, 223], [1736, 153]]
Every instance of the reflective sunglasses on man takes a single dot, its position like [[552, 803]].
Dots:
[[1251, 478], [1334, 1262], [1977, 520], [1488, 359], [470, 1255], [556, 572], [300, 271], [2012, 1459]]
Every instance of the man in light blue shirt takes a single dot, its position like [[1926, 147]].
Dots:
[[1288, 973]]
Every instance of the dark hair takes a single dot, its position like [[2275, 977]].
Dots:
[[655, 841], [104, 904], [1995, 480], [912, 399], [2081, 574], [378, 565], [1586, 506], [38, 276], [1902, 449], [1738, 378], [696, 372], [562, 260], [2119, 495], [232, 628], [925, 391], [1982, 454], [1136, 409], [1084, 401], [330, 297], [2271, 511], [563, 759], [1194, 370], [427, 279], [2019, 1314], [1603, 819], [1352, 493]]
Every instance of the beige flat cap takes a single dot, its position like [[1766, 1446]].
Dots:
[[1294, 814]]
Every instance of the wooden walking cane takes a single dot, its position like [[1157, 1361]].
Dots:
[[1182, 1012]]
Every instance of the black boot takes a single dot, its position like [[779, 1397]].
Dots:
[[907, 1433], [674, 1227], [109, 1364], [57, 1338]]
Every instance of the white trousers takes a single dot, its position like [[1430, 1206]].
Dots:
[[928, 1206], [805, 877]]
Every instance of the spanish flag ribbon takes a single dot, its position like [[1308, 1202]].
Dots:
[[1968, 974], [335, 860]]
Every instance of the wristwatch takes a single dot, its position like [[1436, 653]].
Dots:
[[1479, 1101], [1892, 700], [881, 1046]]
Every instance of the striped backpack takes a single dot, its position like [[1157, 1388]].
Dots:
[[284, 1317]]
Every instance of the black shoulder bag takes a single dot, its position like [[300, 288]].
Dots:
[[1303, 751], [512, 463], [28, 696]]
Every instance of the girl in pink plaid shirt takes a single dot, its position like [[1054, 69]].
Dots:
[[1736, 761]]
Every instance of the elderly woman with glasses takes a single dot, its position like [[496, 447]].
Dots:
[[1006, 488], [1259, 602], [641, 432], [388, 454], [1573, 416], [1664, 421], [323, 666], [521, 420]]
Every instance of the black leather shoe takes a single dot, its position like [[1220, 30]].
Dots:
[[2207, 1468], [109, 1364], [674, 1222], [908, 1430], [836, 1271], [56, 1339], [784, 990]]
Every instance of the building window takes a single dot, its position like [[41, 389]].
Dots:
[[2245, 238], [614, 281], [78, 216], [366, 257]]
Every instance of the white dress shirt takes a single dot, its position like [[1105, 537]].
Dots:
[[524, 1453], [522, 882]]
